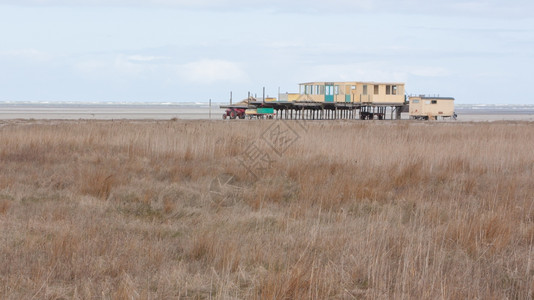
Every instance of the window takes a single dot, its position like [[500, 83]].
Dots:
[[415, 101], [329, 90], [365, 89], [376, 89], [336, 89], [391, 90], [353, 87], [321, 90], [317, 90], [434, 102]]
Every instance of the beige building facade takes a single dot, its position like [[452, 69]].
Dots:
[[422, 107], [351, 92]]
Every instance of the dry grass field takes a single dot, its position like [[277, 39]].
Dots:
[[266, 210]]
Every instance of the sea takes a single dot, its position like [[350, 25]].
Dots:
[[44, 110]]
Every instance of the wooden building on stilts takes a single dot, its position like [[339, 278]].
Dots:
[[337, 100]]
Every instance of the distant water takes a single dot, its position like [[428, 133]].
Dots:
[[108, 110], [495, 108], [202, 110], [104, 104]]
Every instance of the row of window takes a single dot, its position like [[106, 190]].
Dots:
[[322, 89], [336, 90]]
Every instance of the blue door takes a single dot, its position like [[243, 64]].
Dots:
[[329, 92]]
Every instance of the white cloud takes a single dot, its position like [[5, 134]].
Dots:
[[32, 55], [91, 66], [377, 71], [145, 58], [426, 71], [142, 66], [494, 7], [120, 64], [211, 71], [230, 4], [285, 44], [370, 71]]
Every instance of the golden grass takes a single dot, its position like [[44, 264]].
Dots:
[[145, 210]]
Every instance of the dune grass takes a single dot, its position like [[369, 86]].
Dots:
[[346, 210]]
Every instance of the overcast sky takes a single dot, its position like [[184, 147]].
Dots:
[[479, 51]]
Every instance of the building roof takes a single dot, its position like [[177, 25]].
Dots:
[[434, 98], [349, 82]]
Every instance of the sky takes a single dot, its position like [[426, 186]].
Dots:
[[478, 51]]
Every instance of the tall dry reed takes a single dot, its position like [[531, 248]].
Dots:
[[146, 209]]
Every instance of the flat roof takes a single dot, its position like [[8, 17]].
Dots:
[[351, 82], [432, 98]]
